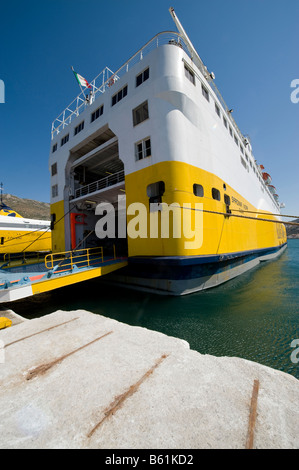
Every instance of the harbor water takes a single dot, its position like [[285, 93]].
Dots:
[[254, 316]]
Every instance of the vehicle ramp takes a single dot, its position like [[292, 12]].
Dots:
[[57, 270]]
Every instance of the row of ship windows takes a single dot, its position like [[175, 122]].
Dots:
[[191, 76], [156, 190], [122, 93]]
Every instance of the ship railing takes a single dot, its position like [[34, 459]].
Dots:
[[81, 258], [106, 79], [79, 104], [103, 183], [24, 258]]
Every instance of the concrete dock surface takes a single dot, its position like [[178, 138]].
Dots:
[[76, 380]]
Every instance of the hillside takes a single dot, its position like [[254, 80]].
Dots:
[[28, 207], [293, 230]]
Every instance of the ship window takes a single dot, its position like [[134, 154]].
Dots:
[[64, 140], [242, 151], [97, 113], [54, 148], [243, 162], [225, 122], [79, 128], [189, 74], [140, 113], [2, 241], [205, 92], [216, 194], [155, 192], [142, 77], [119, 95], [198, 190], [55, 190], [54, 169], [236, 140], [143, 149], [230, 131], [227, 199], [217, 109]]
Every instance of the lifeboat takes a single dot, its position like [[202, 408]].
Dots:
[[267, 178], [272, 188], [276, 197]]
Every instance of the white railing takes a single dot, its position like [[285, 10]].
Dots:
[[107, 78], [78, 105], [103, 183]]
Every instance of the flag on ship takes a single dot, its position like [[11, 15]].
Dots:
[[81, 80]]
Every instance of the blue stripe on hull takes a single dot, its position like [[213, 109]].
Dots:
[[188, 267]]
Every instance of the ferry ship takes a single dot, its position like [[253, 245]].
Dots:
[[22, 235], [157, 132]]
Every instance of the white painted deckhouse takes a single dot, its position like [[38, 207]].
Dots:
[[158, 131]]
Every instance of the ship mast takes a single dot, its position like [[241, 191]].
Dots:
[[1, 194], [194, 56]]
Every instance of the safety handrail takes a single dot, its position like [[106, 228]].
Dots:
[[84, 257]]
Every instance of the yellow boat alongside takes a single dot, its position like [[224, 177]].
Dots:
[[19, 234]]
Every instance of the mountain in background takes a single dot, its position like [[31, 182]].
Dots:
[[28, 208], [293, 230]]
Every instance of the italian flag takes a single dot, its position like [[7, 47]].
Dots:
[[81, 80]]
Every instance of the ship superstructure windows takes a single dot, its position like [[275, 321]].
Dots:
[[216, 194], [217, 109], [79, 128], [119, 95], [54, 148], [140, 113], [243, 162], [236, 140], [189, 74], [97, 113], [142, 77], [230, 131], [225, 122], [64, 139], [205, 92], [54, 169], [55, 190], [198, 190], [143, 149]]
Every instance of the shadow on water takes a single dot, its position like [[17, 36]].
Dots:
[[254, 316]]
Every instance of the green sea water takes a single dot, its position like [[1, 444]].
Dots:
[[255, 316]]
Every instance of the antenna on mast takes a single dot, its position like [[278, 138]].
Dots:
[[1, 194]]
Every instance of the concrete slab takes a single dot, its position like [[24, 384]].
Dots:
[[79, 380]]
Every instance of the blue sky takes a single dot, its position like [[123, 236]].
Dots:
[[250, 45]]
